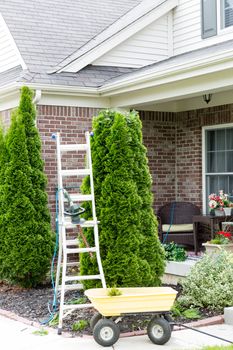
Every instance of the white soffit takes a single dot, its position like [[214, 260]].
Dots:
[[10, 56], [131, 23]]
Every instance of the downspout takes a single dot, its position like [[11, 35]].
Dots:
[[36, 100]]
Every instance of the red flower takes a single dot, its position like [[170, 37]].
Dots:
[[225, 234]]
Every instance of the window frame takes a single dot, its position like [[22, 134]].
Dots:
[[204, 159], [221, 30]]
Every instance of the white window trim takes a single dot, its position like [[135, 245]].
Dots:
[[220, 30], [204, 128]]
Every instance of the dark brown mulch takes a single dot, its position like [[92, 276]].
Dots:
[[33, 305]]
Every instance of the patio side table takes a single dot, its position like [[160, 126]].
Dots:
[[208, 220]]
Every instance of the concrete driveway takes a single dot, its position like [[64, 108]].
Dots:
[[18, 336]]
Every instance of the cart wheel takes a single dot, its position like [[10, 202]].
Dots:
[[106, 332], [159, 331], [95, 318], [170, 320]]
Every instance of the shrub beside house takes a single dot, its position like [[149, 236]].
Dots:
[[25, 231], [130, 249]]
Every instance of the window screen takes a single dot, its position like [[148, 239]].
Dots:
[[219, 161], [226, 13]]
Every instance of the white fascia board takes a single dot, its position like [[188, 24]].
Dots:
[[176, 90], [157, 75], [112, 40], [54, 95], [13, 43]]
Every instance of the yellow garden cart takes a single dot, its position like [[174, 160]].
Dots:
[[156, 301]]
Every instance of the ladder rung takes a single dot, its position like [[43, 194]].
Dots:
[[80, 250], [81, 197], [77, 306], [76, 286], [81, 278], [89, 223], [75, 172], [72, 242], [67, 148]]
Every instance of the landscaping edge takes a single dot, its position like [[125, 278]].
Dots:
[[200, 323]]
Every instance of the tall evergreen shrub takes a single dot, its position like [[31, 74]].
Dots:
[[130, 250], [27, 240]]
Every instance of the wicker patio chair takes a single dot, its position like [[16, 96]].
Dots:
[[176, 223]]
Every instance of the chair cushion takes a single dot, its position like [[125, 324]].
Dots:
[[178, 228]]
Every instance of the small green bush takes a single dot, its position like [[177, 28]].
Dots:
[[114, 292], [174, 253], [79, 326], [209, 283], [192, 314]]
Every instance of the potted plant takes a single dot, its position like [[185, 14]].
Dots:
[[220, 204], [222, 241]]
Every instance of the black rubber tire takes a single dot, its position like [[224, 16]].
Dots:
[[169, 319], [95, 318], [106, 332], [159, 330]]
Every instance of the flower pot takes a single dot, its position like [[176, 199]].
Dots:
[[218, 212], [227, 211], [215, 249]]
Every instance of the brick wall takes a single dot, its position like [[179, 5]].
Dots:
[[71, 123], [173, 140], [159, 136]]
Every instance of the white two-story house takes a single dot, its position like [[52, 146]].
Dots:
[[172, 60]]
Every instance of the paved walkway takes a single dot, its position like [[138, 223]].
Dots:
[[18, 336]]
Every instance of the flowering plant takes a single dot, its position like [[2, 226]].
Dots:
[[219, 201], [222, 237]]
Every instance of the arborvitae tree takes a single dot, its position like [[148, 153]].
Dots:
[[130, 250], [27, 249], [3, 166], [39, 181]]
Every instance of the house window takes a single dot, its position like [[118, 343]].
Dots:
[[219, 160], [226, 13]]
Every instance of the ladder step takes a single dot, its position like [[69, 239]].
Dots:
[[81, 278], [76, 286], [75, 172], [81, 197], [88, 223], [67, 148], [77, 306], [80, 250], [72, 242]]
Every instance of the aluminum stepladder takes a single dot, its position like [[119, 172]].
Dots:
[[65, 223]]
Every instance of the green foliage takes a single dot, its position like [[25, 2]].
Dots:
[[209, 283], [215, 347], [228, 347], [41, 332], [174, 253], [130, 250], [192, 314], [114, 292], [79, 326], [26, 238], [54, 321], [176, 310]]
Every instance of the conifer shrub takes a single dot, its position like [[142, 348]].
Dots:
[[130, 250], [25, 228]]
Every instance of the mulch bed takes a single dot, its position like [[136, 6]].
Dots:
[[33, 305]]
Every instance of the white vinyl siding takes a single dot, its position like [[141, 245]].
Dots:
[[187, 25], [148, 46], [187, 31], [9, 55]]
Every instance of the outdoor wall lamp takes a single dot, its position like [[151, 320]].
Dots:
[[207, 98]]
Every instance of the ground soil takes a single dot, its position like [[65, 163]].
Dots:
[[34, 304]]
